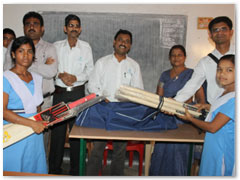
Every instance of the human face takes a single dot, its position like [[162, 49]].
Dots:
[[7, 38], [226, 73], [33, 29], [177, 58], [73, 29], [220, 33], [23, 55], [122, 44]]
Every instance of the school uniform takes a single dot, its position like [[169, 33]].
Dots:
[[27, 155]]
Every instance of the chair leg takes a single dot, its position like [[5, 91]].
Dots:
[[105, 154], [130, 158]]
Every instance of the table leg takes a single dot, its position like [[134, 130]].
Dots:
[[190, 159], [82, 157], [148, 153]]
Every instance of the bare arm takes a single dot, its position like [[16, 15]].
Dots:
[[218, 122], [160, 91], [12, 117], [200, 96]]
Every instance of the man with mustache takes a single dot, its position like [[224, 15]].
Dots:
[[75, 65], [45, 62], [109, 73]]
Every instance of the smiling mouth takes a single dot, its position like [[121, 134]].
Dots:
[[122, 47]]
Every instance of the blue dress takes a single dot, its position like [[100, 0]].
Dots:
[[171, 159], [218, 156], [27, 155]]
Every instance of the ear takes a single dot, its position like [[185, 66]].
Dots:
[[80, 30], [65, 29], [42, 28], [209, 34], [232, 31]]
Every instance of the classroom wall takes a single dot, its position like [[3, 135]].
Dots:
[[197, 42]]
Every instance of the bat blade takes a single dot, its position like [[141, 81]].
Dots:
[[13, 133]]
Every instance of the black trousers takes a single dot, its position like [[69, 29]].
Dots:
[[58, 135]]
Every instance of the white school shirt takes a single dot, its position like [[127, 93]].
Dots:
[[109, 74], [205, 70], [77, 61], [30, 101]]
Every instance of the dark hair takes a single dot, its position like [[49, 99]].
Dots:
[[177, 47], [121, 31], [219, 19], [33, 14], [72, 17], [229, 57], [20, 41], [9, 31]]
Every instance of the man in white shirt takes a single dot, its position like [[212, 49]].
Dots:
[[220, 31], [109, 73], [75, 65]]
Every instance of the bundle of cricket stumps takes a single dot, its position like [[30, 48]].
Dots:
[[155, 101]]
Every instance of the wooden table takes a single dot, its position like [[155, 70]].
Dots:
[[185, 133], [12, 173]]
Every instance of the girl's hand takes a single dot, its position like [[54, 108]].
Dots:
[[38, 126], [203, 106], [107, 101], [186, 117]]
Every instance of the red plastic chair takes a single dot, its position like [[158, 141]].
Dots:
[[131, 146]]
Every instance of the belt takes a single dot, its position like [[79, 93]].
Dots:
[[59, 89], [48, 94]]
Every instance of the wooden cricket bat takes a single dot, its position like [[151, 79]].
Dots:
[[13, 133]]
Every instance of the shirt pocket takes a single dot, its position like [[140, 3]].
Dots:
[[127, 77]]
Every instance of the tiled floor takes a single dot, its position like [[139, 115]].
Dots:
[[128, 171]]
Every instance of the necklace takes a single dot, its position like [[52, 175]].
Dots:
[[176, 75]]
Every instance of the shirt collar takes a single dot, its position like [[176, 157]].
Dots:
[[40, 42], [67, 44], [115, 59]]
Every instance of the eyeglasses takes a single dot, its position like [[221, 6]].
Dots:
[[34, 24], [127, 41], [74, 25], [223, 29]]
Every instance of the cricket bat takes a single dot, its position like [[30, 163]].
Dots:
[[13, 133]]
